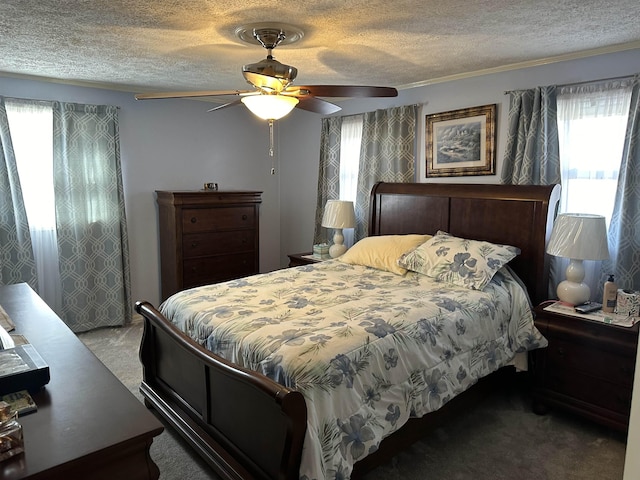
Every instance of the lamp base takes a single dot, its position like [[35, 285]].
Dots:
[[573, 293], [338, 248]]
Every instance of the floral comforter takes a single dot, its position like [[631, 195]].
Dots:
[[367, 348]]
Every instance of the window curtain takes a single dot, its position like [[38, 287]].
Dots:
[[329, 171], [586, 115], [387, 155], [90, 217], [532, 155], [17, 263], [624, 228]]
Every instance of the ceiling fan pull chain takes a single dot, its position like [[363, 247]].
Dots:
[[273, 168]]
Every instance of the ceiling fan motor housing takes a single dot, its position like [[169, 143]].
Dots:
[[270, 37], [272, 68]]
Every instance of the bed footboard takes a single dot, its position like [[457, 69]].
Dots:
[[241, 422]]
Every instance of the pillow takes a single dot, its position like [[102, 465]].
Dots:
[[466, 263], [383, 251]]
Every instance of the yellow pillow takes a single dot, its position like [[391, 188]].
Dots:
[[383, 251]]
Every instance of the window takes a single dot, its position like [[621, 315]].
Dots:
[[31, 126], [592, 121], [350, 141]]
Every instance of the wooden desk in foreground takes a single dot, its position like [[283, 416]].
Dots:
[[88, 425]]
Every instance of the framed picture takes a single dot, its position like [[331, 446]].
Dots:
[[461, 142]]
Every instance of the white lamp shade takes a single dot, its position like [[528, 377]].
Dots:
[[339, 214], [270, 107], [579, 236]]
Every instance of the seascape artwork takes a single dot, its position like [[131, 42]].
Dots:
[[459, 142]]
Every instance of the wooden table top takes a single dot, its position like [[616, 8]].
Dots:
[[84, 413]]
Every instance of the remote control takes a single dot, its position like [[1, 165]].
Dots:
[[588, 307]]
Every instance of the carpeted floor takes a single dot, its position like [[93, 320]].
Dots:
[[498, 439]]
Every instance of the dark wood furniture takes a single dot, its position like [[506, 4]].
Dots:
[[207, 236], [88, 425], [248, 426], [298, 259], [587, 368]]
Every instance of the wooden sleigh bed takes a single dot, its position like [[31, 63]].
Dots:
[[246, 425]]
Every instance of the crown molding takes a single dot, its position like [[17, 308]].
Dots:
[[527, 64]]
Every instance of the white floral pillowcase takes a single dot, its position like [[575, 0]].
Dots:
[[466, 263]]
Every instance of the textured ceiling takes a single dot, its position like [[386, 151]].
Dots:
[[156, 45]]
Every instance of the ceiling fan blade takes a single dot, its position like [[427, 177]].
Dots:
[[205, 93], [317, 105], [225, 105], [345, 91]]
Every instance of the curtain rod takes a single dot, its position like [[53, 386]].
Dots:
[[623, 77]]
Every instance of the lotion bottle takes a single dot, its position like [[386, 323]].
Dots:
[[609, 295]]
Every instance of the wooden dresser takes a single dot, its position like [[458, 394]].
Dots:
[[587, 368], [88, 424], [207, 236]]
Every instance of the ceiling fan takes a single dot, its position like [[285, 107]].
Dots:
[[274, 95]]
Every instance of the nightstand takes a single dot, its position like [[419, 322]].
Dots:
[[587, 368], [297, 259]]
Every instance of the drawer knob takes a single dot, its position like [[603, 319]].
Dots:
[[244, 217], [561, 351], [194, 244], [194, 219]]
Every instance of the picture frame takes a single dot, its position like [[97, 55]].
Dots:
[[461, 142]]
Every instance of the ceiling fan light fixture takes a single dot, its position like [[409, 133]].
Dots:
[[270, 107]]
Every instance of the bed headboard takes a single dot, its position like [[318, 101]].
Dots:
[[518, 215]]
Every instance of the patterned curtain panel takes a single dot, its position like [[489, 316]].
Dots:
[[90, 217], [388, 154], [624, 228], [532, 154], [329, 171], [17, 263]]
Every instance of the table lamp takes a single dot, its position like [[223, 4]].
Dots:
[[338, 214], [577, 236]]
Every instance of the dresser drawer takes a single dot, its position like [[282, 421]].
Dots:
[[218, 268], [196, 220], [584, 388], [211, 243], [596, 363]]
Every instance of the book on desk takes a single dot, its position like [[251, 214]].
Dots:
[[21, 367]]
